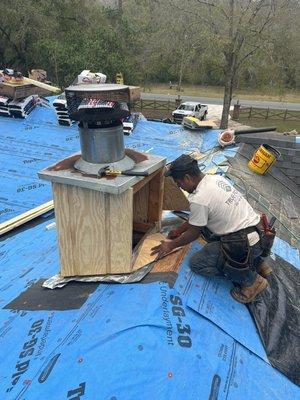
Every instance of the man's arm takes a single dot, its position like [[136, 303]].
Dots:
[[191, 234], [175, 233]]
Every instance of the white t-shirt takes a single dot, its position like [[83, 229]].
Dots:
[[219, 206]]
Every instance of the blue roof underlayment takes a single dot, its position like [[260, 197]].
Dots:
[[137, 341], [124, 342]]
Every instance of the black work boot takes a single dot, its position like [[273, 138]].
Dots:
[[246, 294]]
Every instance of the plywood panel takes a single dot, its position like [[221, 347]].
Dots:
[[174, 198], [80, 217], [63, 223], [144, 253], [119, 224]]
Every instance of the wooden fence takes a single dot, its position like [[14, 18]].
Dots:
[[154, 108], [265, 113], [155, 105]]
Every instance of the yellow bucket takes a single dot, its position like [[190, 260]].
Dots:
[[263, 158]]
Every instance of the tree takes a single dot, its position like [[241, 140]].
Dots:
[[237, 29], [209, 42]]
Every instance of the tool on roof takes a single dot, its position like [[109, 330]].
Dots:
[[267, 239], [227, 137]]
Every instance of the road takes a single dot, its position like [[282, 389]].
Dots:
[[219, 101]]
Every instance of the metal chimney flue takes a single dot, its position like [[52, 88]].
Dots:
[[102, 145]]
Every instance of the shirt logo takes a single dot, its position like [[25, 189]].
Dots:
[[224, 186]]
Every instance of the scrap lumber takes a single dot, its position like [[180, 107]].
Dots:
[[41, 85], [26, 87], [25, 217]]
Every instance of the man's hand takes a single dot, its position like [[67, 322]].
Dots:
[[189, 235], [165, 246]]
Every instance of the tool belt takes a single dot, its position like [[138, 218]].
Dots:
[[266, 236], [236, 251]]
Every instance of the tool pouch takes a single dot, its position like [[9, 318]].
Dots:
[[235, 248], [237, 275], [237, 256]]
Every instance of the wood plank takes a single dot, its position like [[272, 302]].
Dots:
[[144, 254], [119, 221], [80, 218], [174, 198], [41, 85], [25, 217]]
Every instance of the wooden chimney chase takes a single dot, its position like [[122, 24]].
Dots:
[[95, 218]]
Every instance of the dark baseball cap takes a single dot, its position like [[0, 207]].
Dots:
[[182, 164]]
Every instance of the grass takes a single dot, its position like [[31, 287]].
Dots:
[[266, 94], [282, 126], [258, 119]]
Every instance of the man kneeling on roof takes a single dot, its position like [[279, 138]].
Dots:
[[234, 232]]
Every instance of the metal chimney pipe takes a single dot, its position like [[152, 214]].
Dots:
[[102, 145]]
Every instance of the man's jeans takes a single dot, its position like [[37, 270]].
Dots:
[[209, 262]]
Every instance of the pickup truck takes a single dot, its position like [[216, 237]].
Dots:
[[191, 109]]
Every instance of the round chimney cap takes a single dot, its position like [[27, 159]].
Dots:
[[97, 87]]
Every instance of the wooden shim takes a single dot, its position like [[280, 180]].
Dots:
[[174, 198], [25, 217]]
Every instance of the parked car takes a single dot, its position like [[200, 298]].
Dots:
[[190, 108]]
